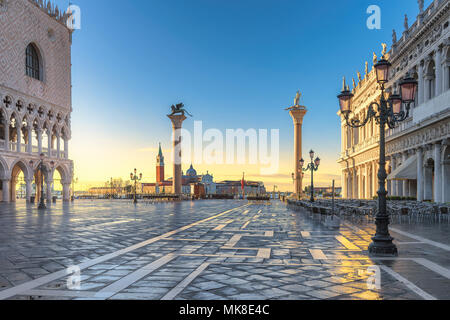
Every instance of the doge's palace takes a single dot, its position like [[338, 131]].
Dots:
[[35, 97], [418, 150]]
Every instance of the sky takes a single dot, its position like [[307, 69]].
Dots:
[[233, 63]]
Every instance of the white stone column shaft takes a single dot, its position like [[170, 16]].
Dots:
[[437, 61], [344, 184], [5, 186], [49, 191], [19, 139], [66, 148], [49, 143], [437, 173], [420, 189], [421, 85], [39, 136], [393, 182], [28, 183], [30, 140], [66, 192], [7, 123], [58, 146]]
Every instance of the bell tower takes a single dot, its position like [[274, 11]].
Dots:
[[160, 166]]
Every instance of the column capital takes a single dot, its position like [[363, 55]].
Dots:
[[177, 120]]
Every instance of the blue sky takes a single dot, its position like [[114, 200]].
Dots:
[[235, 64]]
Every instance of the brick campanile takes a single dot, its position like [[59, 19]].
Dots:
[[160, 166]]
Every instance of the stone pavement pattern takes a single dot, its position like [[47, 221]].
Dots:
[[210, 250]]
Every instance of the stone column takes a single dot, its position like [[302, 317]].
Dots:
[[446, 66], [7, 123], [420, 191], [177, 123], [5, 186], [367, 184], [344, 184], [30, 140], [58, 146], [28, 183], [405, 183], [49, 143], [66, 192], [39, 136], [361, 182], [438, 64], [19, 138], [421, 85], [393, 182], [399, 183], [355, 183], [66, 148], [374, 178], [48, 192], [297, 114], [350, 185], [437, 172]]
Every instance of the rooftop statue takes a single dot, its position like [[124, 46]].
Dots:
[[384, 45], [179, 109], [297, 98]]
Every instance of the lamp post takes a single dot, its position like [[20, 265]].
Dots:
[[41, 169], [134, 177], [389, 112], [74, 181], [313, 166]]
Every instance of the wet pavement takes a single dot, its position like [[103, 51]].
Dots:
[[224, 249]]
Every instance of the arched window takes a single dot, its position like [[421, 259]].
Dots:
[[431, 80], [33, 68]]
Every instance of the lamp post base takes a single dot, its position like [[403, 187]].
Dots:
[[383, 247], [42, 206]]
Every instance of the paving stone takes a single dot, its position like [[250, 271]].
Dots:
[[31, 249]]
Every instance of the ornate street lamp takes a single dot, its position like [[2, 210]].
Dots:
[[135, 178], [389, 112], [41, 169], [313, 166]]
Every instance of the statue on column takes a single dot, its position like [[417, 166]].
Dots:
[[179, 109], [394, 36], [374, 58], [405, 24], [297, 98], [367, 68]]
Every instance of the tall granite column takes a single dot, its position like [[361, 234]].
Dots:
[[297, 113], [177, 123]]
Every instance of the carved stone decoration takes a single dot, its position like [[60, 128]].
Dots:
[[405, 23], [394, 37], [421, 3], [3, 5], [384, 51]]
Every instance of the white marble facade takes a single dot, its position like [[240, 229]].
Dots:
[[418, 149], [35, 99]]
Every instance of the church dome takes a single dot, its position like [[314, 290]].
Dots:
[[191, 172]]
